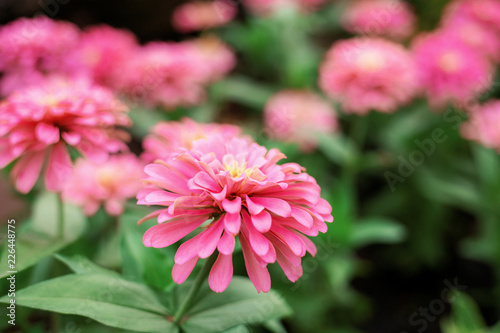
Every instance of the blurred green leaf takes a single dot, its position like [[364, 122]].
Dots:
[[79, 264], [238, 304], [237, 329], [465, 316], [377, 230], [38, 239], [140, 262], [338, 149], [242, 90], [108, 299]]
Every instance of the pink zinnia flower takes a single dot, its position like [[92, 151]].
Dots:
[[483, 125], [485, 12], [168, 137], [369, 74], [108, 183], [213, 58], [103, 51], [201, 15], [449, 70], [234, 188], [268, 7], [297, 116], [34, 48], [475, 35], [388, 18], [164, 74], [39, 123]]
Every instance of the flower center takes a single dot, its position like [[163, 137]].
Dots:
[[105, 177], [450, 62], [370, 61], [235, 170]]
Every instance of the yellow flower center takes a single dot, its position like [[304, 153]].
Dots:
[[450, 62], [235, 170], [370, 61], [105, 177]]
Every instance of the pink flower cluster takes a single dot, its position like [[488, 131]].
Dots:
[[456, 61], [298, 116], [483, 125], [109, 183], [369, 74], [168, 137], [386, 18], [38, 124], [201, 15], [225, 189], [269, 7], [159, 74], [176, 73]]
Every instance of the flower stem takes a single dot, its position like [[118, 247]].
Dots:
[[193, 292], [60, 217]]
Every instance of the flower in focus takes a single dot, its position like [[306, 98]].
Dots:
[[297, 116], [109, 183], [268, 7], [168, 137], [30, 51], [39, 123], [227, 188], [387, 18], [201, 15], [449, 70], [369, 74], [480, 39], [483, 125], [485, 12], [103, 50]]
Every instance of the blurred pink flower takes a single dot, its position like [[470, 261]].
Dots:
[[475, 35], [213, 58], [103, 51], [32, 49], [483, 125], [388, 18], [268, 7], [297, 116], [39, 123], [449, 70], [369, 74], [234, 188], [485, 12], [108, 183], [168, 137], [201, 15]]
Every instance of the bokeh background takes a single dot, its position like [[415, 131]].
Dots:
[[441, 225]]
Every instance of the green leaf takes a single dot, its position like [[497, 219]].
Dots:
[[38, 240], [338, 149], [237, 329], [275, 326], [377, 230], [108, 299], [79, 264], [242, 90], [143, 263], [238, 304], [465, 316]]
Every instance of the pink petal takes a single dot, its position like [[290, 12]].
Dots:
[[253, 208], [72, 138], [209, 239], [302, 217], [166, 234], [258, 275], [232, 223], [59, 167], [277, 206], [180, 272], [187, 250], [221, 273], [262, 221], [293, 273], [290, 238], [257, 241], [26, 171], [232, 207], [47, 133], [203, 180], [226, 243]]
